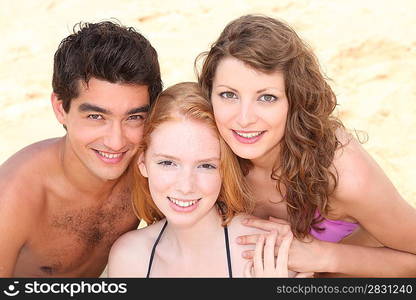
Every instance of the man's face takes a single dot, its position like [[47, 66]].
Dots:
[[105, 126]]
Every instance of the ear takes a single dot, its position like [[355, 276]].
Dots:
[[141, 165], [58, 109]]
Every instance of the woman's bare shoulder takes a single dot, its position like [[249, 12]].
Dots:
[[354, 165], [130, 253], [138, 239], [238, 228]]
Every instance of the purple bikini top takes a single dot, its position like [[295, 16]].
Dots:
[[334, 230]]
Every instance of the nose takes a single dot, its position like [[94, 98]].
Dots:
[[186, 182], [114, 139], [246, 114]]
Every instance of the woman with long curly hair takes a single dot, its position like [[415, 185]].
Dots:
[[274, 108]]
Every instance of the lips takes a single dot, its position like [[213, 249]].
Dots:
[[248, 137], [183, 205], [108, 157]]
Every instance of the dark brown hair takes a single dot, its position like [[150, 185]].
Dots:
[[185, 101], [304, 173], [106, 51]]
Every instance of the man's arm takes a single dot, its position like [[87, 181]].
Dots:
[[17, 215]]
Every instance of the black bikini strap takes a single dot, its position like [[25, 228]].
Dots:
[[154, 248], [227, 246]]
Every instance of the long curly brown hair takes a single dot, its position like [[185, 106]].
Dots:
[[304, 172]]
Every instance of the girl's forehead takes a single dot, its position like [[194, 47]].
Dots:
[[185, 138]]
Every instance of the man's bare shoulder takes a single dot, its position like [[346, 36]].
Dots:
[[34, 154], [130, 253], [22, 176]]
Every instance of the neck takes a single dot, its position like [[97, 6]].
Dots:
[[79, 176], [266, 162], [198, 237]]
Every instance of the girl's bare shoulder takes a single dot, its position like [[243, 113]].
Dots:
[[130, 254]]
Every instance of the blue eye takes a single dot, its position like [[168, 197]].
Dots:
[[207, 166], [228, 95], [166, 163], [95, 117], [268, 98]]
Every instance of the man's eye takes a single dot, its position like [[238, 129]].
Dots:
[[136, 117], [228, 95], [95, 117], [268, 98]]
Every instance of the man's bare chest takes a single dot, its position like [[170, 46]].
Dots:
[[77, 239]]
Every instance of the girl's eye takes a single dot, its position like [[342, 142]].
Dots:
[[268, 98], [207, 166], [166, 163], [228, 95], [95, 117]]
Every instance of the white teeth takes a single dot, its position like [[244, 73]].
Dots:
[[249, 135], [182, 203], [108, 155]]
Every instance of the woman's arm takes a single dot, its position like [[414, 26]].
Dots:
[[364, 194], [336, 259]]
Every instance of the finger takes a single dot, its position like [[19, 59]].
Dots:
[[266, 225], [248, 254], [258, 257], [283, 256], [305, 275], [248, 269], [269, 256], [247, 239], [279, 221]]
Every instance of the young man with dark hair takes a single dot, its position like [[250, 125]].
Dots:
[[65, 200]]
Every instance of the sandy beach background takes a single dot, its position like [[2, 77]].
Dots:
[[367, 48]]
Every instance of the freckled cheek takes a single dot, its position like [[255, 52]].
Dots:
[[209, 184], [161, 183]]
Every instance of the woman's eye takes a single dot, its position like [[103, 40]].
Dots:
[[95, 117], [207, 166], [268, 98], [166, 163], [228, 95]]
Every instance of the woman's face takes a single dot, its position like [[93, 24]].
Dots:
[[250, 109], [182, 166]]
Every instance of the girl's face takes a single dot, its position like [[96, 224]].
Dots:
[[250, 109], [182, 165]]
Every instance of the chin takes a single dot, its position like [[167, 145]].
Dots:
[[109, 175], [246, 154]]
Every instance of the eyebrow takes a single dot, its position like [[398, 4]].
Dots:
[[87, 107], [175, 158], [258, 92]]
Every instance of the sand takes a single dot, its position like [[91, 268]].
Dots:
[[367, 48]]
